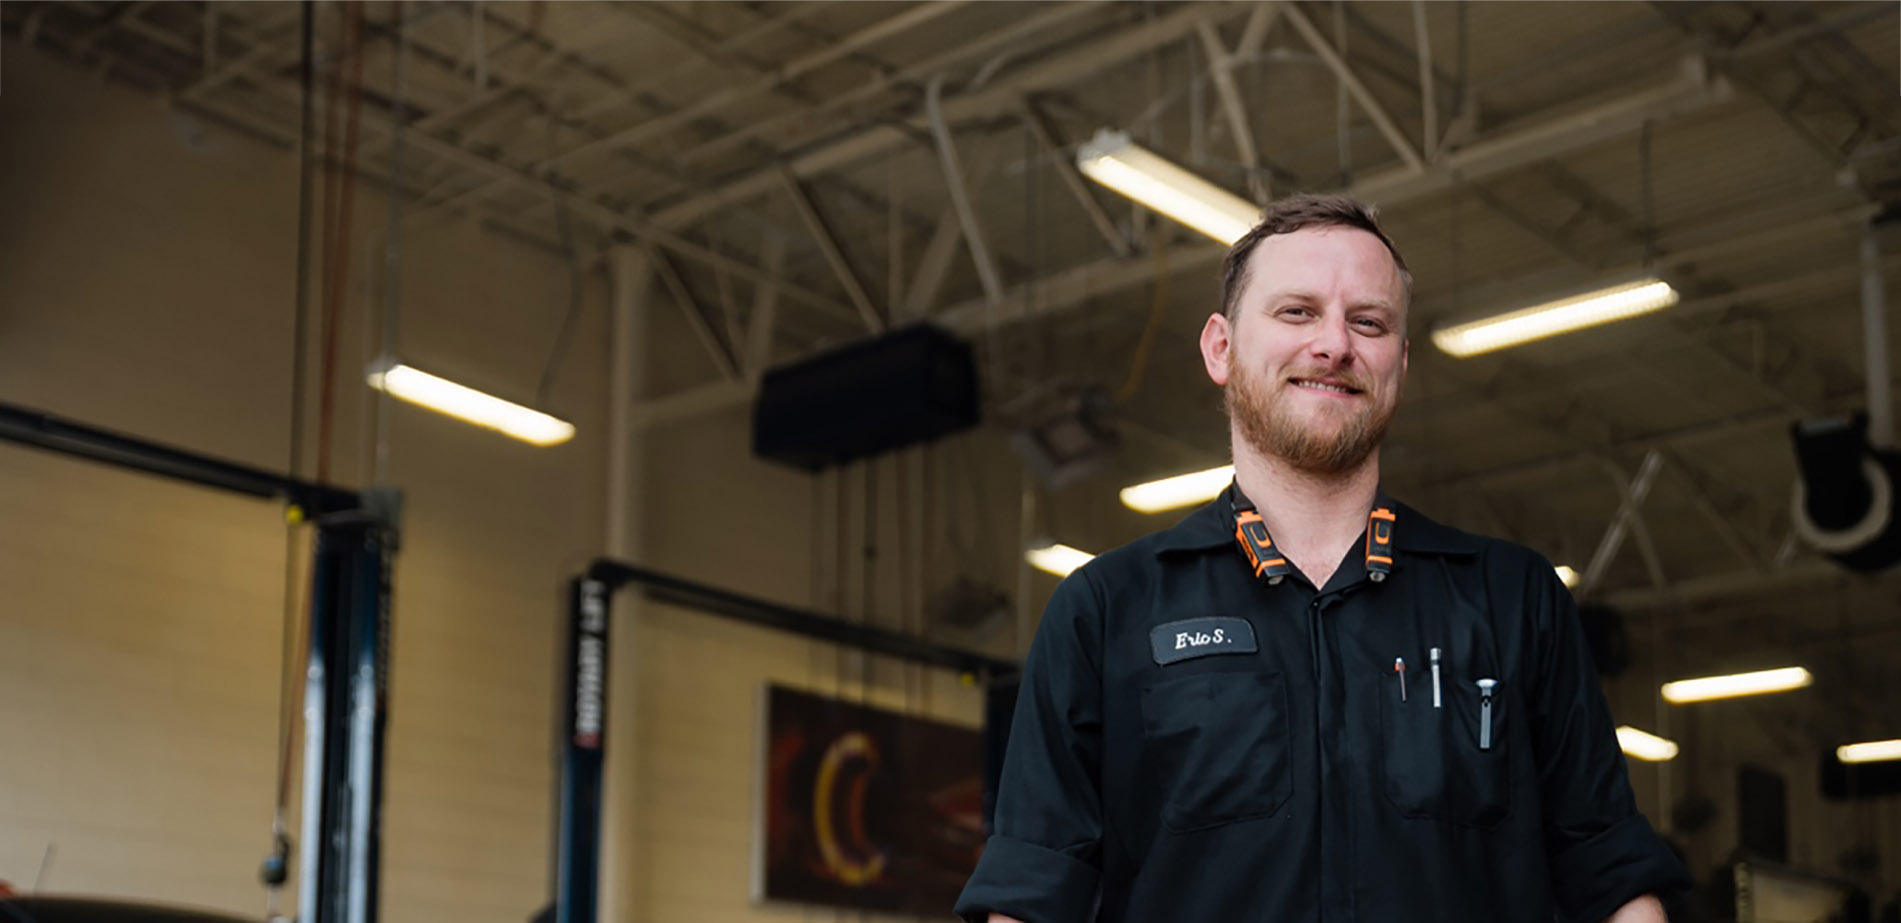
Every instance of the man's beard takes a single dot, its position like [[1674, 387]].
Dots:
[[1271, 427]]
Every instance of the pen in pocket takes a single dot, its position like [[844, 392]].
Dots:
[[1485, 712], [1399, 666]]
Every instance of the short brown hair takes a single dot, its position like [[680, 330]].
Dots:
[[1285, 216]]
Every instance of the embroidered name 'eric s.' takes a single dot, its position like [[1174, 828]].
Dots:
[[1175, 641]]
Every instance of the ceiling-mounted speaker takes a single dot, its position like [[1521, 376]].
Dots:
[[904, 388]]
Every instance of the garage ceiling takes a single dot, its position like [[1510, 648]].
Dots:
[[1518, 151]]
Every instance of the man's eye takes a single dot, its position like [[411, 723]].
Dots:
[[1371, 325]]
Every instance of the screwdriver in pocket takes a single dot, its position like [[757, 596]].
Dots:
[[1435, 677]]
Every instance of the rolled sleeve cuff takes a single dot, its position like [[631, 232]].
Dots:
[[1029, 882], [1624, 862]]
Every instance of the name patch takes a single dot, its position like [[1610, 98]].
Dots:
[[1176, 641]]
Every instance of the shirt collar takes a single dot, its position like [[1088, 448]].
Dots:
[[1212, 526]]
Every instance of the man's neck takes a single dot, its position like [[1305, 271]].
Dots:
[[1313, 518]]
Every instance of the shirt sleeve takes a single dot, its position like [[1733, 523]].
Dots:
[[1602, 852], [1042, 861]]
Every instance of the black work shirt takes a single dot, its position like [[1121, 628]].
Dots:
[[1290, 782]]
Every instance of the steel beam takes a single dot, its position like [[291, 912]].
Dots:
[[124, 14], [1484, 158], [1639, 528], [1039, 24], [960, 193], [1065, 166], [1705, 589], [512, 175], [628, 459], [993, 99], [695, 316], [935, 262], [1698, 495], [765, 311], [1240, 127], [828, 245], [1627, 511], [714, 102], [1388, 128], [1428, 88]]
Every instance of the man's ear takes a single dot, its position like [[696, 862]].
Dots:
[[1405, 354], [1216, 347]]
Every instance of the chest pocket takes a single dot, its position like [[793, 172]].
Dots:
[[1433, 761], [1218, 742]]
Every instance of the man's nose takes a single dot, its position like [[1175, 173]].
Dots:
[[1332, 341]]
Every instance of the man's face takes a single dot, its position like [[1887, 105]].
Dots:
[[1315, 356]]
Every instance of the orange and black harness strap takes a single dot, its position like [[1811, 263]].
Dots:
[[1267, 562]]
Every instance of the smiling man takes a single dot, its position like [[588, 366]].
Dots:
[[1308, 702]]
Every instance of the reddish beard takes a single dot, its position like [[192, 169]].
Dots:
[[1269, 424]]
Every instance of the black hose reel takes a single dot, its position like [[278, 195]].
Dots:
[[1844, 498]]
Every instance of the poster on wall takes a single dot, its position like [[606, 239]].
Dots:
[[864, 808]]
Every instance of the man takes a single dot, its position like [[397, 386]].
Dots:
[[1307, 702]]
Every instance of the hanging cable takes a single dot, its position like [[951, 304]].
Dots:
[[566, 333], [337, 243], [393, 238], [276, 867], [1649, 203], [1343, 113], [1158, 302]]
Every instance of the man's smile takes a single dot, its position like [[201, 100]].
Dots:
[[1324, 385]]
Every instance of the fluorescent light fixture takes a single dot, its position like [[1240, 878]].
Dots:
[[1873, 751], [1554, 317], [1056, 559], [1644, 745], [1569, 575], [469, 405], [1180, 490], [1724, 687], [1112, 159]]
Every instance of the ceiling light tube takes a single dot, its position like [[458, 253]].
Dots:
[[1724, 687], [1873, 751], [1645, 746], [468, 405], [1056, 559], [1112, 159], [1514, 328], [1178, 491], [1568, 575]]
